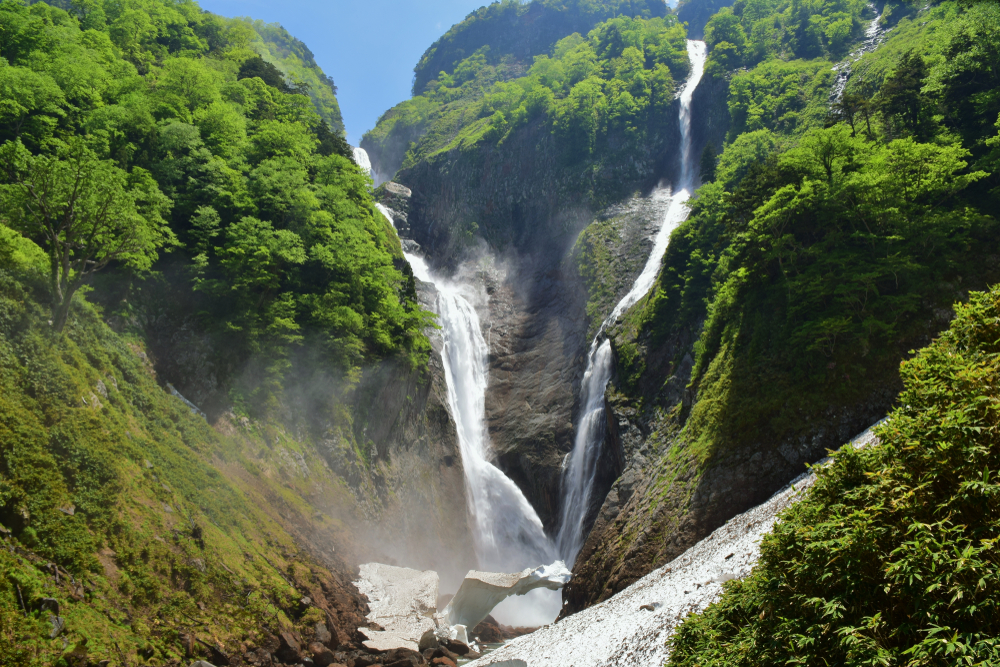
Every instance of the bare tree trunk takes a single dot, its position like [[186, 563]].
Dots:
[[60, 312], [61, 302]]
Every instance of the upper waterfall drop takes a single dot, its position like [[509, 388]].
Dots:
[[362, 159], [578, 478]]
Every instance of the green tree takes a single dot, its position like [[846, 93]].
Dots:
[[706, 167], [86, 212], [903, 102], [890, 559]]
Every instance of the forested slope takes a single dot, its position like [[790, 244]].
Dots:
[[180, 215], [494, 44], [145, 533], [891, 557], [269, 225], [829, 238]]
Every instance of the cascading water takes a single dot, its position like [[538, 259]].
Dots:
[[508, 535], [578, 478], [362, 159]]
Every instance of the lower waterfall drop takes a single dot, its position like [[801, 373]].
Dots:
[[578, 478], [507, 532]]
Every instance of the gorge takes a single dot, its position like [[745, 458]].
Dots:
[[589, 316]]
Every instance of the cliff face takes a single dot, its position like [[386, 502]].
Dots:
[[526, 205], [541, 321], [521, 196]]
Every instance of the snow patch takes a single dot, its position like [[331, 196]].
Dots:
[[631, 628], [480, 592]]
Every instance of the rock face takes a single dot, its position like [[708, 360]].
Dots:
[[540, 322], [414, 491], [536, 332], [396, 198]]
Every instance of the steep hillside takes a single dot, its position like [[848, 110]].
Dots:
[[179, 217], [890, 558], [132, 530], [495, 43], [813, 261], [297, 63]]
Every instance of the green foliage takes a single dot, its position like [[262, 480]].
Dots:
[[298, 64], [745, 151], [842, 255], [891, 557], [937, 74], [520, 29], [594, 92], [817, 256], [601, 96], [88, 213], [169, 113], [114, 481], [753, 31], [707, 164], [784, 97]]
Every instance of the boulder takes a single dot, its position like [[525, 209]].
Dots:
[[321, 655], [49, 605], [456, 647], [289, 649], [429, 640], [323, 635], [58, 625], [442, 652], [401, 657], [488, 631]]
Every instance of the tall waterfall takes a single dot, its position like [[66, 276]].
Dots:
[[507, 533], [578, 478]]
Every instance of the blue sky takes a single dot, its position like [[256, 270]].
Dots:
[[369, 47]]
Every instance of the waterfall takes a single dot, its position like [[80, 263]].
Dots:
[[578, 478], [507, 532], [362, 159], [874, 35]]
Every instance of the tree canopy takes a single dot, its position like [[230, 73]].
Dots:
[[181, 127]]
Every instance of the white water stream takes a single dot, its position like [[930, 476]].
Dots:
[[578, 478], [507, 532]]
